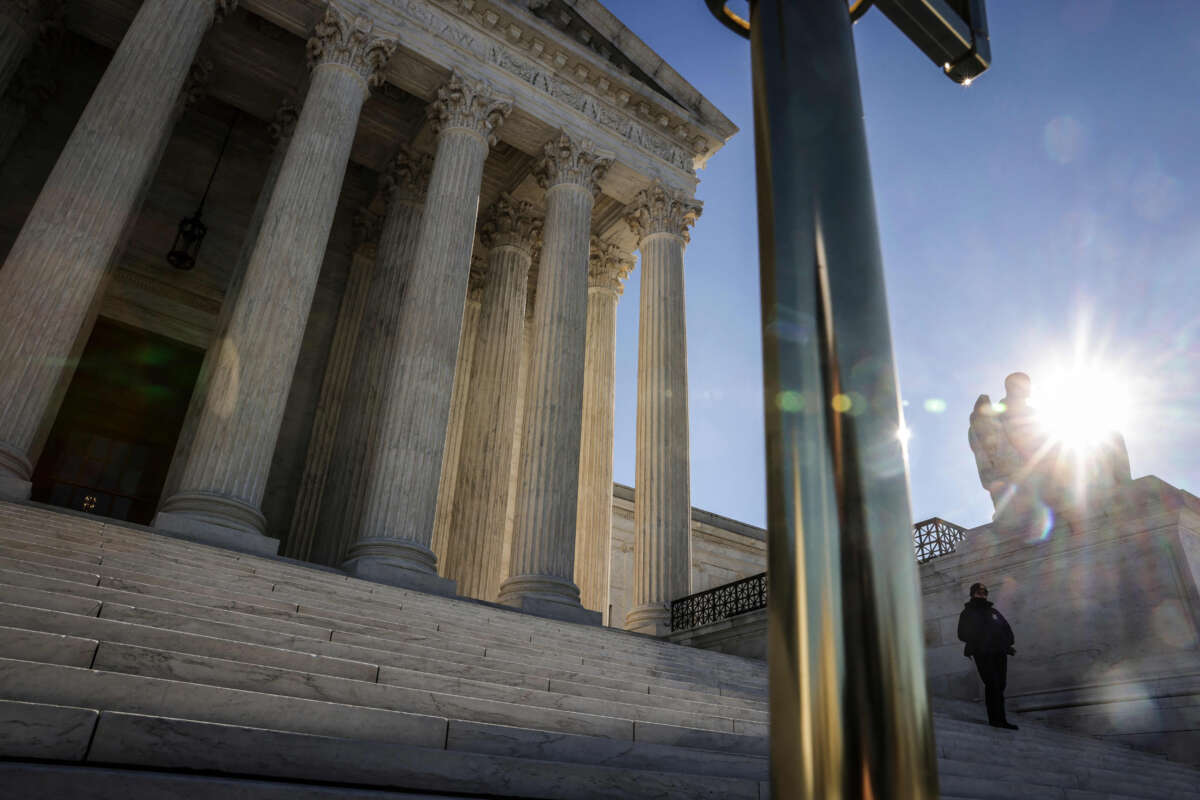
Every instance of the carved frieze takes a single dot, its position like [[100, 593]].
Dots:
[[406, 178], [660, 209], [338, 39], [471, 104], [566, 161], [608, 266], [511, 223]]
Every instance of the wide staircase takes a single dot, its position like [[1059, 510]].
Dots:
[[134, 665]]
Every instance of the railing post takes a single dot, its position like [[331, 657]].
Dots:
[[849, 713]]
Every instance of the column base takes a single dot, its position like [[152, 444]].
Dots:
[[216, 520], [15, 474], [547, 596], [397, 562], [653, 620]]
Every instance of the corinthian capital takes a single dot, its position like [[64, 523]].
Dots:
[[367, 227], [511, 223], [608, 266], [337, 39], [465, 103], [662, 210], [566, 161], [283, 124], [406, 178], [476, 280]]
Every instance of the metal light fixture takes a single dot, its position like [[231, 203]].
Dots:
[[191, 231]]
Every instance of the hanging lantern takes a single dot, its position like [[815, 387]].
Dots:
[[188, 239], [191, 231]]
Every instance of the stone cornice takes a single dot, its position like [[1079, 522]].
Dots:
[[338, 39], [521, 31], [659, 209], [511, 223], [566, 160], [608, 266], [406, 178], [465, 103]]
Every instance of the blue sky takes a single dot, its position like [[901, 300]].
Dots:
[[1049, 209]]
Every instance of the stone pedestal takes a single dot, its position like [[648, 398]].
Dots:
[[60, 260], [394, 538], [403, 188], [543, 548], [662, 507], [222, 485], [481, 492], [609, 266]]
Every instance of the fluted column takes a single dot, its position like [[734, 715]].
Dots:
[[394, 537], [402, 186], [334, 386], [476, 537], [510, 510], [542, 566], [283, 125], [21, 22], [452, 451], [222, 485], [60, 259], [609, 267], [662, 505]]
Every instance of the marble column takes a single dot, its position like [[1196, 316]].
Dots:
[[334, 386], [402, 186], [396, 531], [510, 232], [662, 505], [510, 510], [543, 549], [281, 128], [222, 485], [21, 23], [610, 266], [61, 259], [452, 451]]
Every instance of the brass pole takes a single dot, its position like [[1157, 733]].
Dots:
[[849, 713]]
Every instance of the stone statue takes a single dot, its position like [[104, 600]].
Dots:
[[1022, 466]]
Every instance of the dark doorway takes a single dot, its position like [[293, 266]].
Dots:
[[114, 436]]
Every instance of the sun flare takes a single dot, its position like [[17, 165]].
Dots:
[[1081, 406]]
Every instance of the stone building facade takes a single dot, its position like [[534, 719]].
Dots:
[[394, 354]]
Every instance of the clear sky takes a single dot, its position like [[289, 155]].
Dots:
[[1050, 209]]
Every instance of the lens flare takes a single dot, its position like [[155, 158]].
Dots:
[[1081, 406]]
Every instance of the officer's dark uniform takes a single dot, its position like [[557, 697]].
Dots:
[[989, 641]]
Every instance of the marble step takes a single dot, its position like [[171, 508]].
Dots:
[[149, 741], [246, 632], [145, 546], [749, 666], [1061, 771], [22, 781], [321, 630], [35, 617]]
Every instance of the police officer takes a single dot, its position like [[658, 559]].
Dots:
[[989, 640]]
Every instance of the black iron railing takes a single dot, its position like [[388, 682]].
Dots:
[[932, 538], [723, 602], [935, 537]]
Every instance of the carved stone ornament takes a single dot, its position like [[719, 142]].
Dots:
[[470, 104], [339, 40], [661, 210], [406, 178], [565, 161], [283, 124], [608, 266], [195, 88], [367, 227], [511, 223]]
